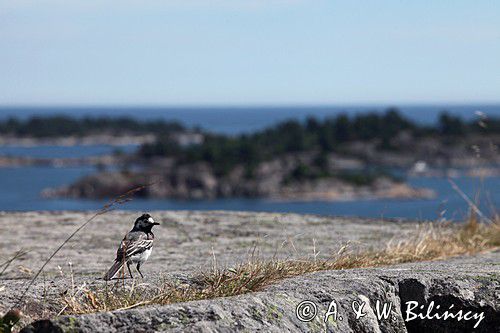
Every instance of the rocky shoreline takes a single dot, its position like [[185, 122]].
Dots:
[[198, 183], [97, 161], [68, 141], [293, 177]]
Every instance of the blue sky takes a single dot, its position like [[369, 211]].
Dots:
[[227, 52]]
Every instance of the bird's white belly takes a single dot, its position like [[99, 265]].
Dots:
[[141, 257]]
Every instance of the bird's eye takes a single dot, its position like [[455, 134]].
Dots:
[[150, 220]]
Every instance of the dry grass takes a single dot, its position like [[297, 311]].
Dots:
[[430, 242]]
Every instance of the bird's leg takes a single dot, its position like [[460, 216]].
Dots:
[[129, 271], [138, 269]]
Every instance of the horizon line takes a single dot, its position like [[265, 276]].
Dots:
[[249, 105]]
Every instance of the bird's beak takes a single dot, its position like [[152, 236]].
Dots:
[[150, 220]]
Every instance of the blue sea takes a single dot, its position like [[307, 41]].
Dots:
[[20, 187]]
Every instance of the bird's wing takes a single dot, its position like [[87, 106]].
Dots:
[[133, 243]]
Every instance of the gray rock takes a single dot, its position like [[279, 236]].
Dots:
[[469, 283], [187, 242]]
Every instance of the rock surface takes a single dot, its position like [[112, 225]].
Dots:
[[188, 241], [469, 284]]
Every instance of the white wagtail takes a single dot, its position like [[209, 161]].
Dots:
[[135, 247]]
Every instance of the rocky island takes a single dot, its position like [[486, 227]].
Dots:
[[278, 179], [344, 158], [366, 156]]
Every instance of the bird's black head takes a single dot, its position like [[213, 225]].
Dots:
[[145, 223]]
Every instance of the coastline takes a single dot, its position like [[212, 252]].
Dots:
[[70, 141]]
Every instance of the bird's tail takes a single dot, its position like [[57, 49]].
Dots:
[[113, 270]]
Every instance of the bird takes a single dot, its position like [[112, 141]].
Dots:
[[135, 248]]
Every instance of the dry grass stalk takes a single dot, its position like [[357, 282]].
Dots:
[[18, 255]]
